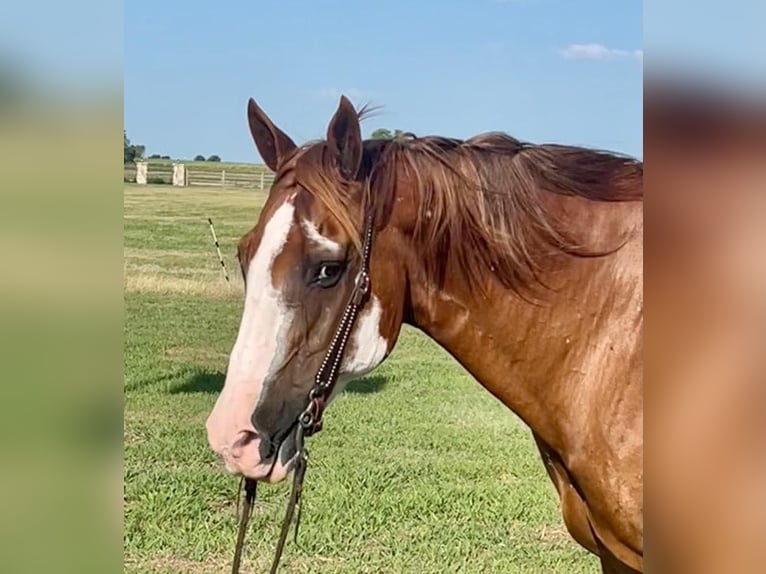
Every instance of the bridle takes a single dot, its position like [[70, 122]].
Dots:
[[309, 421]]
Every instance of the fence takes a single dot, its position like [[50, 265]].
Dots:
[[179, 174], [260, 179]]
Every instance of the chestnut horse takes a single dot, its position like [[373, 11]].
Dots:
[[523, 261]]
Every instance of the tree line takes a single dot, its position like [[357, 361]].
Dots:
[[135, 152]]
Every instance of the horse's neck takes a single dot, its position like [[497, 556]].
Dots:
[[542, 360]]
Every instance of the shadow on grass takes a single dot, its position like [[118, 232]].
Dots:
[[366, 385], [201, 382], [207, 382]]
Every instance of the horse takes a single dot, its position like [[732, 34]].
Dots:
[[524, 261]]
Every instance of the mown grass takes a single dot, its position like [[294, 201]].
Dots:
[[418, 468]]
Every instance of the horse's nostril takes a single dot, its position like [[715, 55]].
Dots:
[[266, 448], [245, 438]]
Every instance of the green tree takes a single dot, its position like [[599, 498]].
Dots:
[[382, 134], [214, 158], [199, 157], [386, 134], [132, 152]]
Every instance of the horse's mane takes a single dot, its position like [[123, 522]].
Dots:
[[480, 201]]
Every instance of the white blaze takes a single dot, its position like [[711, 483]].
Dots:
[[265, 319], [264, 314]]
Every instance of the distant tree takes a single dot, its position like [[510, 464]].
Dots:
[[214, 158], [132, 152], [164, 157], [386, 134], [155, 156], [199, 157], [382, 134]]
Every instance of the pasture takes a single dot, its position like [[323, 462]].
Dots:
[[418, 469]]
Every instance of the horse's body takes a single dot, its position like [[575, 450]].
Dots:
[[524, 262], [570, 365], [571, 370]]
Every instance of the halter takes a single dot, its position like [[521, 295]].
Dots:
[[309, 421]]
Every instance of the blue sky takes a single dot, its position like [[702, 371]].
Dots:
[[542, 70]]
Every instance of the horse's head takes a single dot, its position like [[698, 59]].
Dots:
[[299, 263]]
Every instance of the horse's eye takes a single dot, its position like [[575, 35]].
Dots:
[[328, 273]]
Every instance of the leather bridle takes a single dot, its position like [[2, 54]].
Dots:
[[309, 421]]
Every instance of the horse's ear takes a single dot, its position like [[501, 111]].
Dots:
[[272, 143], [344, 138]]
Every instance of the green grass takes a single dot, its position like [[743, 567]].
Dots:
[[418, 469]]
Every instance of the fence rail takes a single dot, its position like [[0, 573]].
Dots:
[[257, 179], [180, 174]]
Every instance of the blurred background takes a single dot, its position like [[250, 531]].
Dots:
[[60, 286], [705, 285]]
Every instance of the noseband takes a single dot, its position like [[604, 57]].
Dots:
[[310, 420]]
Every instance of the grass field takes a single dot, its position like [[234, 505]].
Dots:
[[418, 469]]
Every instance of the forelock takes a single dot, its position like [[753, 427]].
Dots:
[[315, 172]]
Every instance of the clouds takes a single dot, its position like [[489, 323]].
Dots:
[[594, 51]]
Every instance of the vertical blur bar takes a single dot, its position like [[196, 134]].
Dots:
[[705, 285], [218, 249]]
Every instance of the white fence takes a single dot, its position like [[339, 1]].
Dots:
[[179, 174]]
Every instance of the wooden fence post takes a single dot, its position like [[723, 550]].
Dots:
[[179, 174], [141, 172]]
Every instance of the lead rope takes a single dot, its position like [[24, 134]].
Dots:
[[295, 500], [310, 420], [247, 511]]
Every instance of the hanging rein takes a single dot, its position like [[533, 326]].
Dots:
[[310, 420]]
